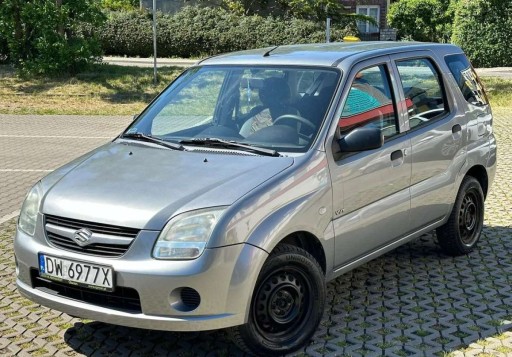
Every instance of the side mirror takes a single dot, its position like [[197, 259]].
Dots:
[[361, 139]]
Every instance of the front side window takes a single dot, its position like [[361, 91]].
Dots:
[[423, 90], [280, 108], [372, 11], [467, 79], [370, 103]]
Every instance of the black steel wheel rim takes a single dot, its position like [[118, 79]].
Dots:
[[470, 217], [281, 306]]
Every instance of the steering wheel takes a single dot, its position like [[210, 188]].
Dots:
[[296, 118]]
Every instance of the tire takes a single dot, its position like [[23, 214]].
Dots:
[[287, 304], [460, 234]]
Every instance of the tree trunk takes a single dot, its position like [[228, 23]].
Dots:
[[60, 28]]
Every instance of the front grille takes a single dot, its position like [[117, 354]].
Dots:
[[121, 299], [98, 249]]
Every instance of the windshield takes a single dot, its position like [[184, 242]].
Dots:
[[279, 108]]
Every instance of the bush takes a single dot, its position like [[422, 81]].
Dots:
[[127, 33], [422, 20], [4, 49], [483, 28], [49, 37], [116, 5], [196, 31]]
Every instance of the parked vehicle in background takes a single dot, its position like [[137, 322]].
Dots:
[[255, 178]]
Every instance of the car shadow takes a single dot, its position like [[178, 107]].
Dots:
[[414, 300]]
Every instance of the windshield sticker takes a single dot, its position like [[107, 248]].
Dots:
[[132, 130]]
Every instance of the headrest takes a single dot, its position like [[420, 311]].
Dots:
[[274, 91]]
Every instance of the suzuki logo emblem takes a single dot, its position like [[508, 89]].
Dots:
[[82, 237]]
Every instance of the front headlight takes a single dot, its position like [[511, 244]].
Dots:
[[29, 210], [186, 235]]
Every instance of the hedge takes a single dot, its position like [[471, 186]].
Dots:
[[195, 32], [483, 28]]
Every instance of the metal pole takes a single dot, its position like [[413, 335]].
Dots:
[[328, 30], [327, 25], [154, 43]]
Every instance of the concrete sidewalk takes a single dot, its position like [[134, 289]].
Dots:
[[148, 62], [501, 72]]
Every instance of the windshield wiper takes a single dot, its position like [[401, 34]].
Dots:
[[151, 139], [230, 144]]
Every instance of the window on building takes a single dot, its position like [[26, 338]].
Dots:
[[368, 10]]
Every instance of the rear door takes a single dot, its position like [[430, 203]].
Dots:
[[437, 134], [371, 197]]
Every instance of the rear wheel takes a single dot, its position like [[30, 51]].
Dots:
[[287, 304], [460, 234]]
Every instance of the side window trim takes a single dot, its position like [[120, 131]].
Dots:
[[448, 104]]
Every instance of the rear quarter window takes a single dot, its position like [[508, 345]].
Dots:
[[467, 79]]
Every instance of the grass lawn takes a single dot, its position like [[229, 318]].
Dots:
[[116, 90], [103, 90]]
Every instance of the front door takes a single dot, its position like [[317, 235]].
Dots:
[[371, 198]]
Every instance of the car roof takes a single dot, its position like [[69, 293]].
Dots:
[[321, 54]]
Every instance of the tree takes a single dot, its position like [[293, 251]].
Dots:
[[423, 20], [483, 28], [314, 10], [119, 5], [50, 36]]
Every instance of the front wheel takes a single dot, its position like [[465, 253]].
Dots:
[[460, 234], [287, 304]]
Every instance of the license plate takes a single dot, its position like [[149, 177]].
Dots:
[[72, 272]]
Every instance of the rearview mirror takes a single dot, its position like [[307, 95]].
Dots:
[[361, 139]]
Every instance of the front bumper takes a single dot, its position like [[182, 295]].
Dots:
[[223, 277]]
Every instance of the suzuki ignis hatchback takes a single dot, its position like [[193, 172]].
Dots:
[[255, 178]]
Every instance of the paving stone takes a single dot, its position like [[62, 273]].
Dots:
[[413, 301]]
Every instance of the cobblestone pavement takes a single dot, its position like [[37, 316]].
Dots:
[[414, 301], [33, 145]]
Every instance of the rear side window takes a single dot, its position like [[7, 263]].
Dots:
[[370, 103], [467, 79], [423, 90]]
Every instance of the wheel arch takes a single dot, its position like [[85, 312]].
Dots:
[[310, 243], [480, 174]]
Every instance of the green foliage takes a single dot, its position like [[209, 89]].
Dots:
[[483, 28], [48, 36], [196, 31], [119, 5], [4, 49], [423, 20], [314, 10]]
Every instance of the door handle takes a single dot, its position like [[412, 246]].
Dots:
[[456, 128], [456, 132], [397, 155], [397, 158]]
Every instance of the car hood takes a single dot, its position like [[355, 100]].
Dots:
[[141, 186]]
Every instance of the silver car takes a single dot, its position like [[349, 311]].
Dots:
[[255, 178]]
